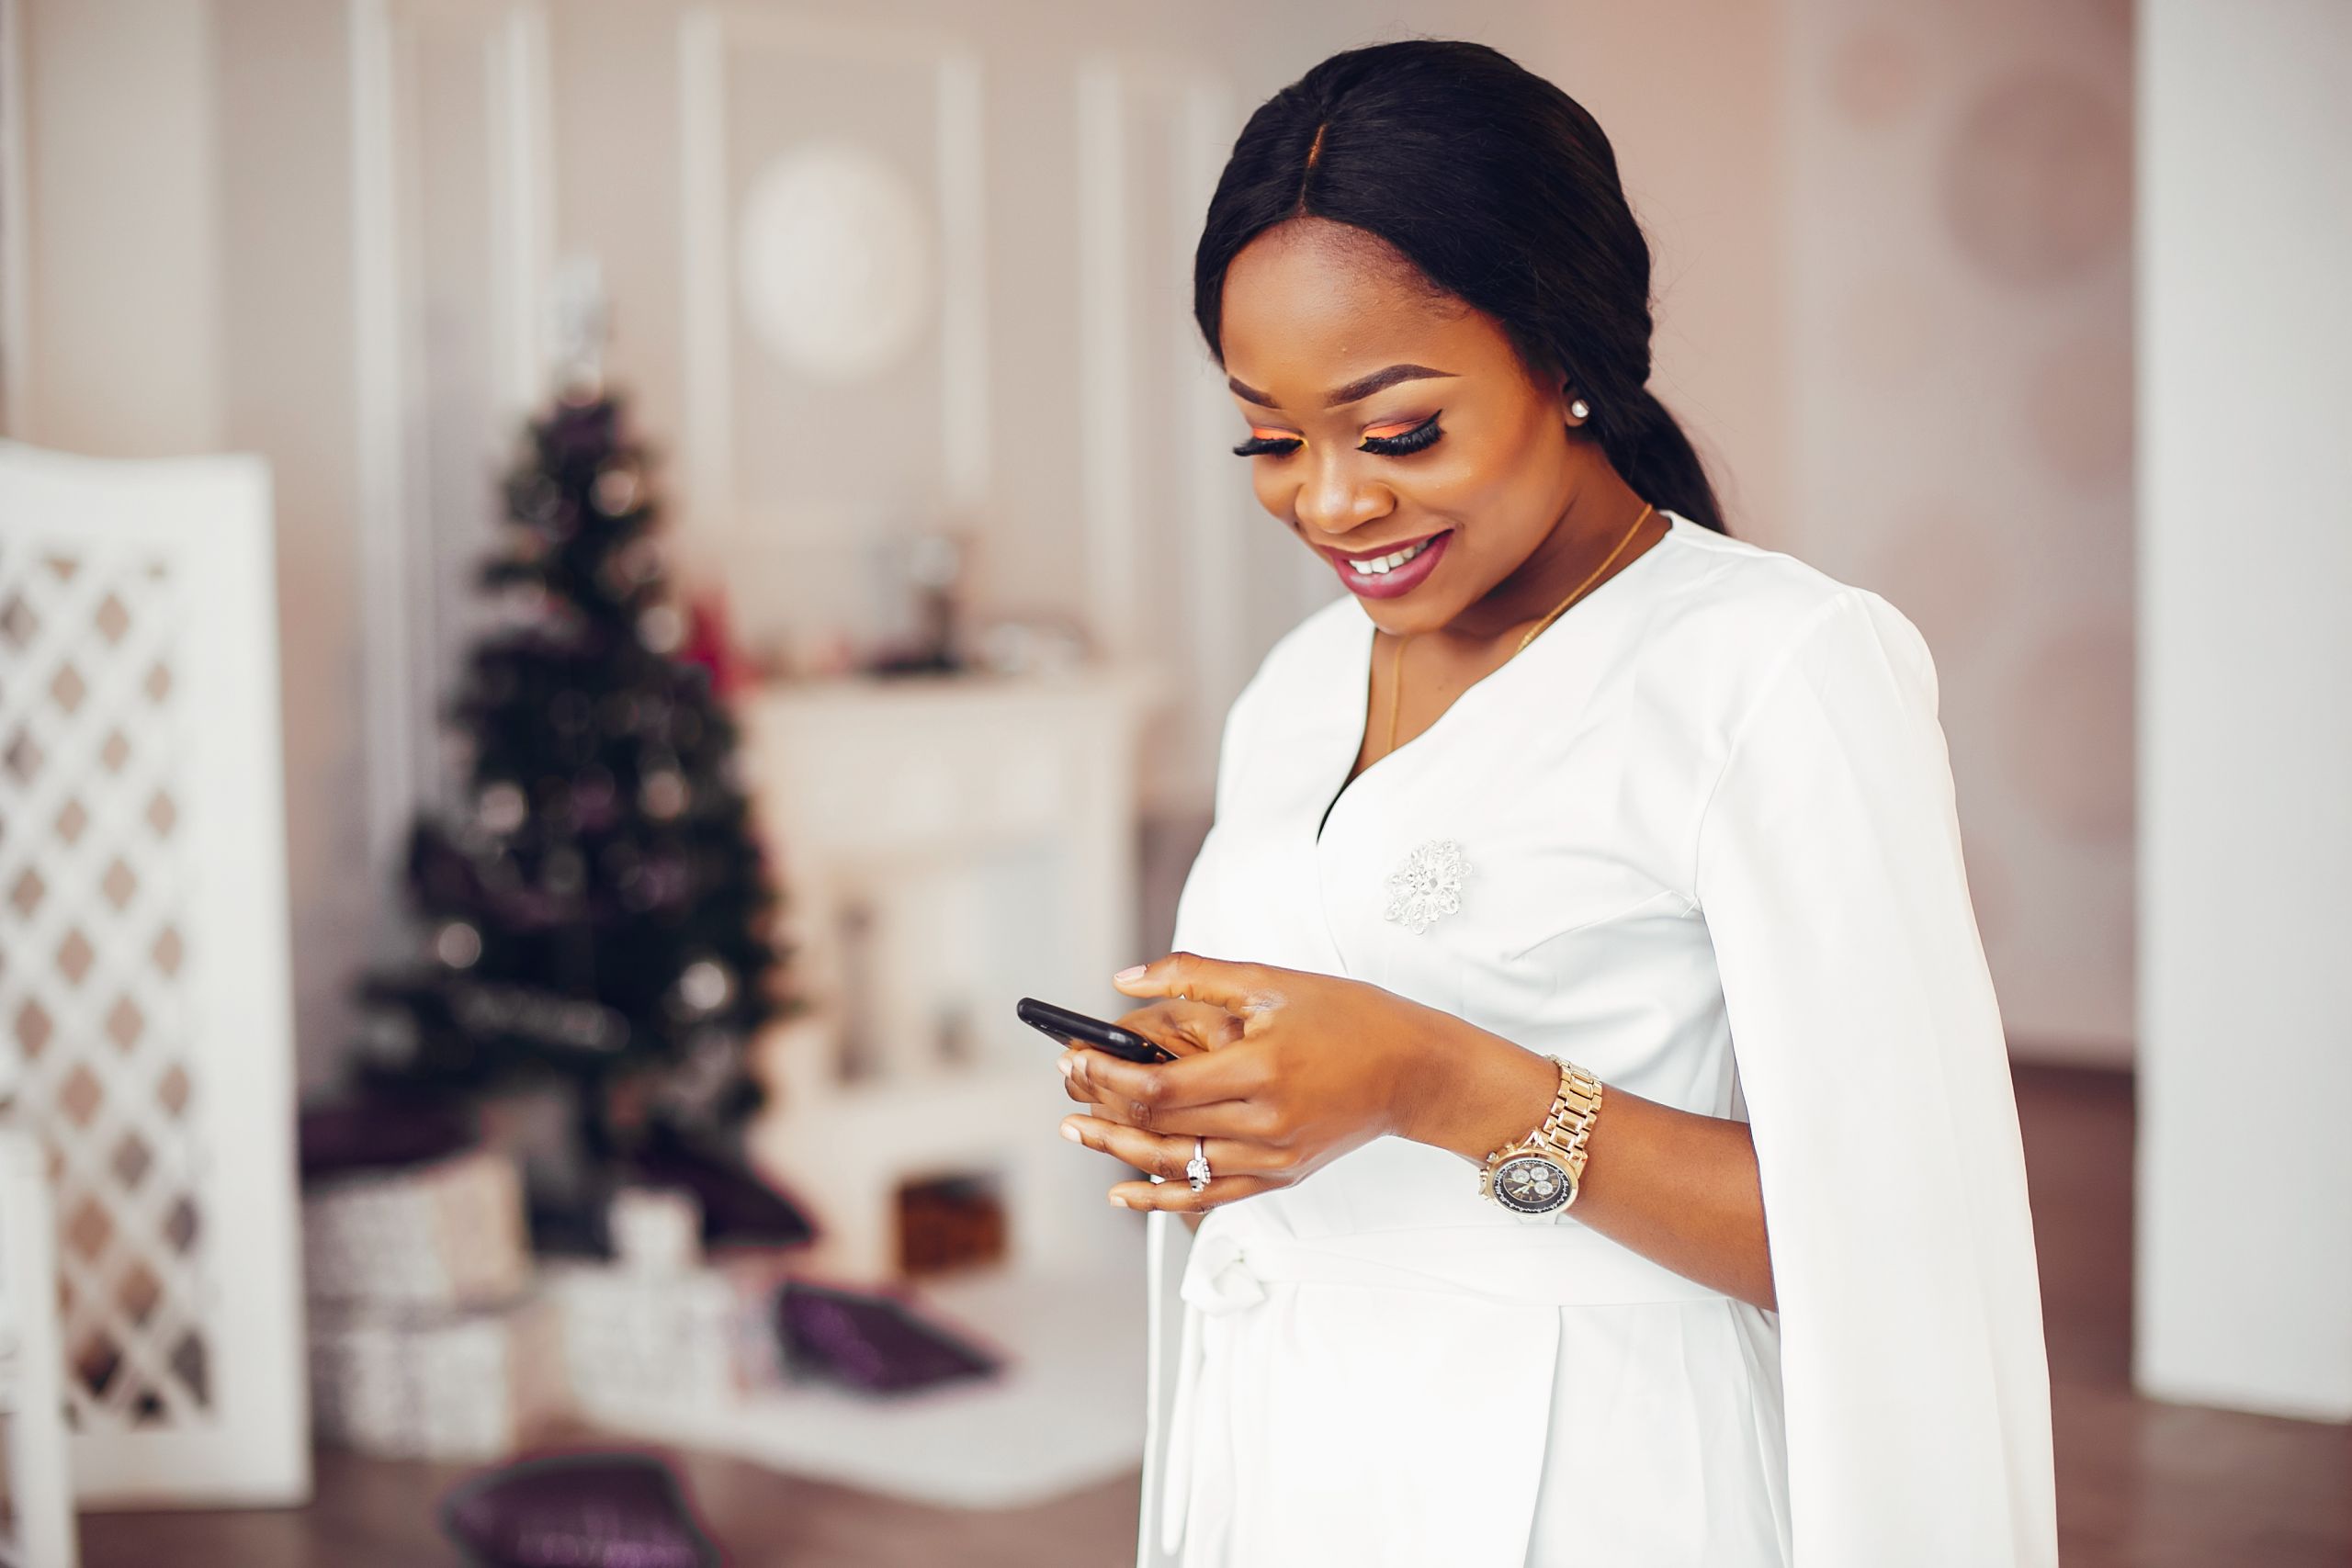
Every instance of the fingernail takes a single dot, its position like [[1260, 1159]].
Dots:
[[1121, 1203], [1071, 1133], [1132, 972], [1068, 1063]]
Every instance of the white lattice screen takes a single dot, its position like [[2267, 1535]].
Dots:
[[142, 961]]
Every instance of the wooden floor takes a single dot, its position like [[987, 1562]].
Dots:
[[2140, 1484], [2143, 1485]]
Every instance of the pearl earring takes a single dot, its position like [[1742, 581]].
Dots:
[[1580, 408]]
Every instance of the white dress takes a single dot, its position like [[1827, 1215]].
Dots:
[[1707, 825]]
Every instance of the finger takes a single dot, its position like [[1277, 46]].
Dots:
[[1248, 1119], [1076, 1084], [1238, 988], [1157, 1154], [1177, 1197], [1146, 1095], [1160, 1024], [1184, 1027]]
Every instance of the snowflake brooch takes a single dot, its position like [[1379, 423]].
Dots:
[[1428, 887]]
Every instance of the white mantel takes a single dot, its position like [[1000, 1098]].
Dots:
[[946, 845]]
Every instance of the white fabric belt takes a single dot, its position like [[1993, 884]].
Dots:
[[1502, 1266]]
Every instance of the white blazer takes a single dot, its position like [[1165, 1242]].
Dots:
[[1700, 835]]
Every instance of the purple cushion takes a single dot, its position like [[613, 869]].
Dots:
[[877, 1342], [379, 1133], [577, 1511]]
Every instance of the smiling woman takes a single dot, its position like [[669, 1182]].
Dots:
[[1589, 1084]]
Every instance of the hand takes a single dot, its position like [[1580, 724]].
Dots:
[[1279, 1071], [1184, 1027]]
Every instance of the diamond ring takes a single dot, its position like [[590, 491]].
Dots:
[[1196, 1170]]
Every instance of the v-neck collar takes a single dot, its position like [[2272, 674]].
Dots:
[[1360, 653]]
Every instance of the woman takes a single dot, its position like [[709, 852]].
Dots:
[[1589, 1089]]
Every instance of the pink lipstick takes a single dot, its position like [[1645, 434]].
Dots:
[[1392, 570]]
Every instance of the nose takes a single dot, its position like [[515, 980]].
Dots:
[[1335, 498]]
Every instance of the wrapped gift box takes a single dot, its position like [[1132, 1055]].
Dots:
[[655, 1230], [636, 1340], [432, 1384], [449, 1232]]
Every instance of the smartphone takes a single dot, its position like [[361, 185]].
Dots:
[[1077, 1029]]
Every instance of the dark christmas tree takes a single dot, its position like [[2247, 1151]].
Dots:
[[597, 911]]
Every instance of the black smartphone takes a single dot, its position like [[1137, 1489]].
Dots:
[[1077, 1029]]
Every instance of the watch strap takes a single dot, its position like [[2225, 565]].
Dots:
[[1569, 1122]]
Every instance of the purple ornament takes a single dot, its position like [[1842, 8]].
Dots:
[[577, 1511]]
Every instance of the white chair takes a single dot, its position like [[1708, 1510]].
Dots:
[[40, 1495], [145, 1013]]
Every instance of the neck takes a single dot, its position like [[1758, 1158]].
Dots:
[[1593, 523]]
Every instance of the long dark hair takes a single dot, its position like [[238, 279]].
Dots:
[[1503, 191]]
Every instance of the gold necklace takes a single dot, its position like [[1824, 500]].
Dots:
[[1396, 660]]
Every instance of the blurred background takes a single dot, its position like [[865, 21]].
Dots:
[[591, 589]]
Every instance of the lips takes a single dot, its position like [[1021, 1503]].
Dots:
[[1382, 574]]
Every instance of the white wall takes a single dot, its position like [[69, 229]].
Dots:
[[1960, 375], [2244, 1288], [283, 136], [123, 242], [185, 287]]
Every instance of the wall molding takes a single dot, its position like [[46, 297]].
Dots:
[[388, 674], [708, 39], [15, 255], [522, 204], [1106, 361], [404, 621], [1119, 96]]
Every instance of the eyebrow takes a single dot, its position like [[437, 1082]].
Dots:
[[1360, 388]]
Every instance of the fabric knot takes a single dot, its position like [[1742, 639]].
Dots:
[[1217, 1277]]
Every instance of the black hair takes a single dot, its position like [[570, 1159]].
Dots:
[[1504, 192]]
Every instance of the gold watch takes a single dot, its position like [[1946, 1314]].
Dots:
[[1539, 1174]]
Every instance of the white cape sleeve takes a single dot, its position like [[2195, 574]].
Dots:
[[1167, 1242], [1168, 1248], [1871, 1055]]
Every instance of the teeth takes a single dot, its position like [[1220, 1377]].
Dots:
[[1381, 566]]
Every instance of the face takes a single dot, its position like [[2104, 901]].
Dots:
[[1396, 430]]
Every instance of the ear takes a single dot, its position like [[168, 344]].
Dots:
[[1560, 392], [1570, 407]]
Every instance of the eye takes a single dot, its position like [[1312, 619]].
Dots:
[[1265, 443], [1401, 439]]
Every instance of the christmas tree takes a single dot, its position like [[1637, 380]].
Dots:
[[595, 911]]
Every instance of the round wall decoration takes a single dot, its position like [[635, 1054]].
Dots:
[[834, 262], [2038, 179]]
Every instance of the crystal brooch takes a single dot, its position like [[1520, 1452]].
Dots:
[[1428, 887]]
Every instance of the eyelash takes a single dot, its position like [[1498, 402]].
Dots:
[[1420, 438]]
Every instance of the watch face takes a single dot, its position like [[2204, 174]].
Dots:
[[1531, 1184]]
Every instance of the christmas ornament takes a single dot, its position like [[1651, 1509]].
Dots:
[[659, 628], [616, 492], [663, 795], [502, 807], [704, 986], [457, 944]]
